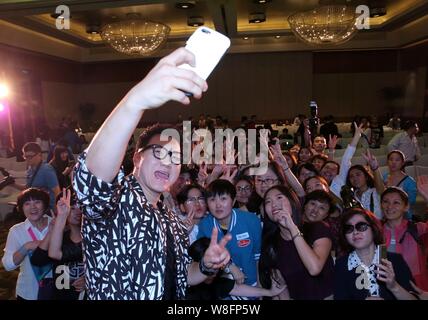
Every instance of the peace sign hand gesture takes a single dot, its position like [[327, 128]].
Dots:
[[188, 222], [202, 174], [63, 205], [371, 160], [217, 256]]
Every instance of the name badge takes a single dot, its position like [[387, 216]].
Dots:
[[242, 236]]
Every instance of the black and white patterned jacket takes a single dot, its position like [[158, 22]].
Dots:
[[124, 239]]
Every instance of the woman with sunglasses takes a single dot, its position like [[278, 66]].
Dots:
[[403, 236], [360, 275], [192, 200], [303, 259]]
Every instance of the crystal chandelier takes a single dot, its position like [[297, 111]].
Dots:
[[135, 36], [331, 24]]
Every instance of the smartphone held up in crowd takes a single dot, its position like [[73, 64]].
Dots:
[[208, 46]]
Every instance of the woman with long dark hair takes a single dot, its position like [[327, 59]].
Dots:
[[62, 165], [303, 259]]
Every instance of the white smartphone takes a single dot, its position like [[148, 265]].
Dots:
[[208, 46]]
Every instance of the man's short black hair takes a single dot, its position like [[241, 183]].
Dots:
[[32, 194], [150, 132], [220, 187], [32, 147]]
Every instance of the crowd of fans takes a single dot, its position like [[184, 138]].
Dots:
[[305, 229]]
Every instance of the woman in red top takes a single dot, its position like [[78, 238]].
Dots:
[[404, 237]]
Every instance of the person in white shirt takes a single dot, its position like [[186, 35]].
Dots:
[[24, 238], [364, 184], [335, 174], [407, 142]]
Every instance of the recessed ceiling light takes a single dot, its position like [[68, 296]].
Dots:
[[277, 37], [93, 28], [261, 1], [257, 17], [246, 38], [195, 21], [185, 4]]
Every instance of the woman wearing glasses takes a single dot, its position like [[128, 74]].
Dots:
[[262, 183], [193, 204], [244, 188], [360, 275]]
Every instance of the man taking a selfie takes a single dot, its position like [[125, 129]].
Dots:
[[134, 247]]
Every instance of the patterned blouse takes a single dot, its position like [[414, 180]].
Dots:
[[125, 239]]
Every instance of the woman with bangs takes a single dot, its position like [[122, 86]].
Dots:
[[361, 275], [403, 236], [396, 177], [318, 161], [305, 154], [364, 185], [302, 258], [24, 238]]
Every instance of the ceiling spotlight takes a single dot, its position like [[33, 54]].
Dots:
[[261, 1], [377, 8], [377, 12], [257, 17], [185, 4], [277, 37], [195, 21], [246, 38], [93, 28]]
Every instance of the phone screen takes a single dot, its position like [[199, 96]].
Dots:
[[208, 46]]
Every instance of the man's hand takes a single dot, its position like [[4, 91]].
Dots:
[[167, 82], [217, 256]]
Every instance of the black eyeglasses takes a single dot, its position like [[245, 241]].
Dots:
[[360, 226], [29, 156], [160, 153], [193, 200]]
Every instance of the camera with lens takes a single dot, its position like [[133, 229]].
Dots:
[[347, 194], [314, 120]]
